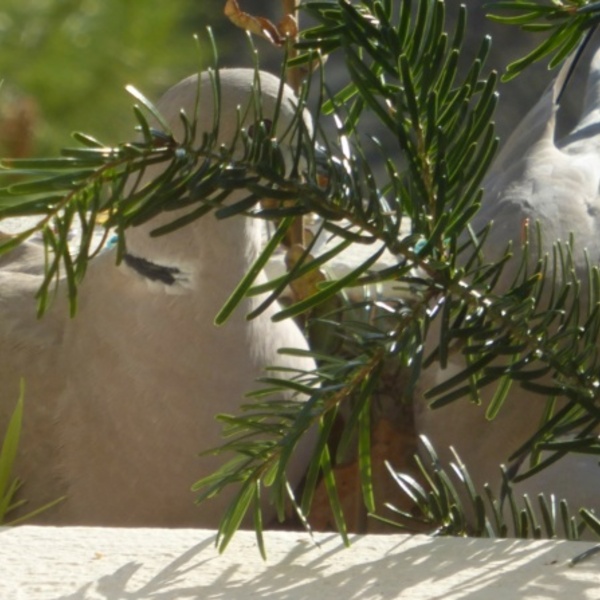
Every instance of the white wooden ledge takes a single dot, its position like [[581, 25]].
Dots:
[[80, 563]]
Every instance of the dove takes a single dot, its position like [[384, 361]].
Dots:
[[121, 399], [556, 183]]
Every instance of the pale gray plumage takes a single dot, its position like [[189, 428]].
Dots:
[[556, 183], [121, 399]]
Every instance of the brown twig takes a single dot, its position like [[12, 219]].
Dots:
[[294, 80]]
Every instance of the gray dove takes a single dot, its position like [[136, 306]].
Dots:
[[121, 399], [535, 178]]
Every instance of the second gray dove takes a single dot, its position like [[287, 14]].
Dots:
[[555, 183]]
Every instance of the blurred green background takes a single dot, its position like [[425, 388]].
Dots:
[[64, 63]]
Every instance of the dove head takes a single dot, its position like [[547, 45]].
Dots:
[[250, 100]]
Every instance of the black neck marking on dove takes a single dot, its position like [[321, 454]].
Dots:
[[151, 270]]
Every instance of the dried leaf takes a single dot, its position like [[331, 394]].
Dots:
[[288, 27], [276, 34]]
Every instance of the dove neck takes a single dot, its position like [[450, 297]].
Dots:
[[591, 102]]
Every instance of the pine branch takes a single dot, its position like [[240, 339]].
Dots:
[[403, 68]]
